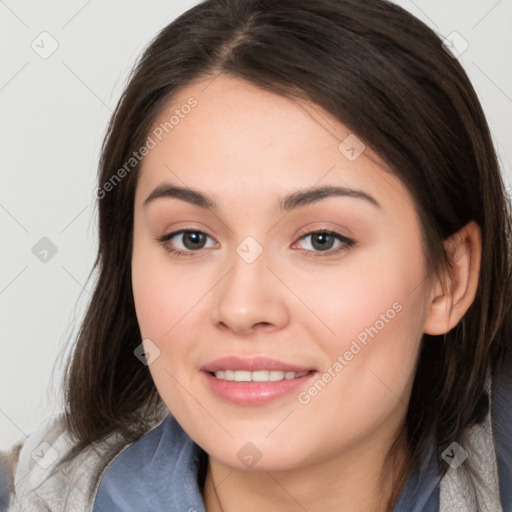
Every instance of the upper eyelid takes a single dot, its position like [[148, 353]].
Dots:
[[172, 234], [309, 231], [301, 234], [347, 241]]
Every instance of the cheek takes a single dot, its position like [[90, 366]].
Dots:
[[169, 304], [372, 312], [160, 294], [162, 300], [368, 379], [151, 298], [373, 289]]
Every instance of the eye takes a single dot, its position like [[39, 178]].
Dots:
[[323, 242], [187, 241]]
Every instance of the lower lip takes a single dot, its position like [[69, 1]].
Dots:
[[254, 393]]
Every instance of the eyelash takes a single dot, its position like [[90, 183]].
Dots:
[[347, 243]]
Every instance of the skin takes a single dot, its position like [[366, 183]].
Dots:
[[246, 148]]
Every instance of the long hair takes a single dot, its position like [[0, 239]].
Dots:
[[385, 75]]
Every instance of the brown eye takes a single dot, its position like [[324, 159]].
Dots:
[[193, 239], [184, 242], [324, 242]]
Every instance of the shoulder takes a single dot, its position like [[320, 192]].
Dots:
[[480, 471], [159, 472], [47, 477]]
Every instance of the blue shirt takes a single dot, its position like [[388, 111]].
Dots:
[[5, 484], [161, 472]]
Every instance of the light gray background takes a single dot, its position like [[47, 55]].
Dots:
[[53, 115]]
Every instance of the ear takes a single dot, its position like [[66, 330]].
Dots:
[[455, 292]]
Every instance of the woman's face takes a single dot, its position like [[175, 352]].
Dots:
[[320, 332]]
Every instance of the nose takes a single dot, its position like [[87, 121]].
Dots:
[[250, 298]]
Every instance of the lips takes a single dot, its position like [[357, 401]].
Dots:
[[253, 364], [257, 376], [254, 380]]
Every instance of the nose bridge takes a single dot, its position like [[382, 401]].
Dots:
[[247, 296]]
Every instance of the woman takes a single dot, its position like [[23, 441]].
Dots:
[[303, 298]]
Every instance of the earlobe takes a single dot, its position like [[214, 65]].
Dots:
[[453, 295]]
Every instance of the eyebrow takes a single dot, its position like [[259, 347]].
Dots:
[[290, 202]]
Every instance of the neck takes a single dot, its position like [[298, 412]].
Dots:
[[361, 483]]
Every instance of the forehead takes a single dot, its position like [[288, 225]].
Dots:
[[225, 135]]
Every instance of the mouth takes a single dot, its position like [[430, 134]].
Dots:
[[258, 375], [254, 380]]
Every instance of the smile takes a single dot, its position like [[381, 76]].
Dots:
[[258, 375]]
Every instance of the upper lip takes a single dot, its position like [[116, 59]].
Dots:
[[253, 363]]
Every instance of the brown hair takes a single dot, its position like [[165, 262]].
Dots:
[[382, 73]]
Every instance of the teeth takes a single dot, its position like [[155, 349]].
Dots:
[[274, 375], [257, 376]]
